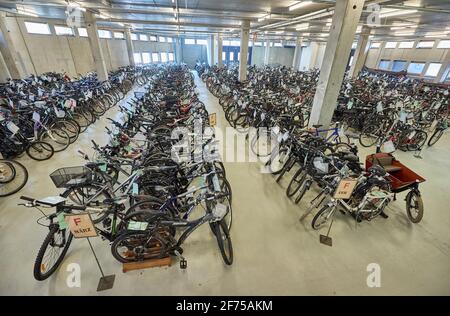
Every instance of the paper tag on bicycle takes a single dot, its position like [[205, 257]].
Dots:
[[263, 116], [345, 189], [402, 117], [81, 225], [36, 117], [388, 147], [216, 183], [13, 128], [220, 211], [132, 225], [61, 221], [135, 189], [102, 167], [411, 135], [379, 107], [349, 105], [276, 129], [285, 136], [212, 119]]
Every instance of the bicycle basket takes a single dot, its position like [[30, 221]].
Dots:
[[66, 177]]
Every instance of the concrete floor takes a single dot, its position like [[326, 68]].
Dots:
[[275, 254]]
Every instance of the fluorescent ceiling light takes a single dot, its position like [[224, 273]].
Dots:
[[303, 26], [279, 32], [398, 28], [391, 13], [404, 33], [435, 34], [299, 5], [267, 16]]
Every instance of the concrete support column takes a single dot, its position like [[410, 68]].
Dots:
[[343, 28], [178, 51], [219, 50], [297, 54], [8, 50], [267, 53], [245, 34], [4, 72], [362, 48], [130, 48], [445, 68], [210, 50], [96, 49]]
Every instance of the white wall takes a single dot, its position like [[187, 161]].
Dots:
[[312, 56]]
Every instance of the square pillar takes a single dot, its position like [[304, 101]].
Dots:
[[245, 34], [96, 49]]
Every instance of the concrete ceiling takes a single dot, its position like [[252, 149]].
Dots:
[[200, 17]]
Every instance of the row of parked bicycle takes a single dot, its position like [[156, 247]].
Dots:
[[144, 194], [44, 114], [373, 108], [280, 134]]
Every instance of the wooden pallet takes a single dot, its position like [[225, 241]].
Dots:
[[163, 262], [151, 263]]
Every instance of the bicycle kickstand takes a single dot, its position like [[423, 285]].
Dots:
[[183, 261]]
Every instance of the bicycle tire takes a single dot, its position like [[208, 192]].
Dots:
[[17, 166], [59, 139], [37, 270], [297, 178], [225, 250], [314, 224], [418, 206], [40, 146], [435, 137]]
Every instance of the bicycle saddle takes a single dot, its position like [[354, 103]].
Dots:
[[317, 125], [377, 170]]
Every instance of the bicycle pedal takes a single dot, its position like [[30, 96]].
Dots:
[[183, 264]]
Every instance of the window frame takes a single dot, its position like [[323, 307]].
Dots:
[[143, 37], [389, 62], [29, 23], [189, 41], [395, 45], [425, 47], [134, 36], [121, 33], [153, 38], [398, 60], [104, 32], [415, 63], [171, 54], [161, 39], [157, 59], [447, 44], [406, 45], [149, 58], [428, 67], [375, 45], [72, 33], [201, 41], [85, 30], [140, 58]]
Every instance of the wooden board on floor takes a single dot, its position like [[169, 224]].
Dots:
[[130, 266]]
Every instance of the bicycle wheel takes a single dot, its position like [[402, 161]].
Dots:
[[306, 184], [321, 217], [138, 246], [82, 121], [52, 252], [261, 143], [80, 195], [40, 150], [296, 182], [414, 206], [70, 126], [369, 136], [417, 141], [435, 137], [224, 241], [58, 138], [277, 160], [13, 177]]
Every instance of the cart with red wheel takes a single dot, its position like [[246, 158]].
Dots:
[[402, 179]]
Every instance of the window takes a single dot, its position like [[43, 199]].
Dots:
[[171, 57], [433, 69], [425, 44], [444, 44], [202, 42], [63, 30], [406, 44], [384, 64], [231, 56], [189, 41], [257, 44], [153, 38], [415, 68], [239, 56], [278, 45], [37, 28], [155, 57], [146, 58], [398, 65], [143, 37], [235, 43], [104, 34], [375, 45], [118, 35], [226, 43], [82, 32], [391, 45], [164, 57], [169, 40], [224, 56], [137, 58], [162, 39], [134, 36]]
